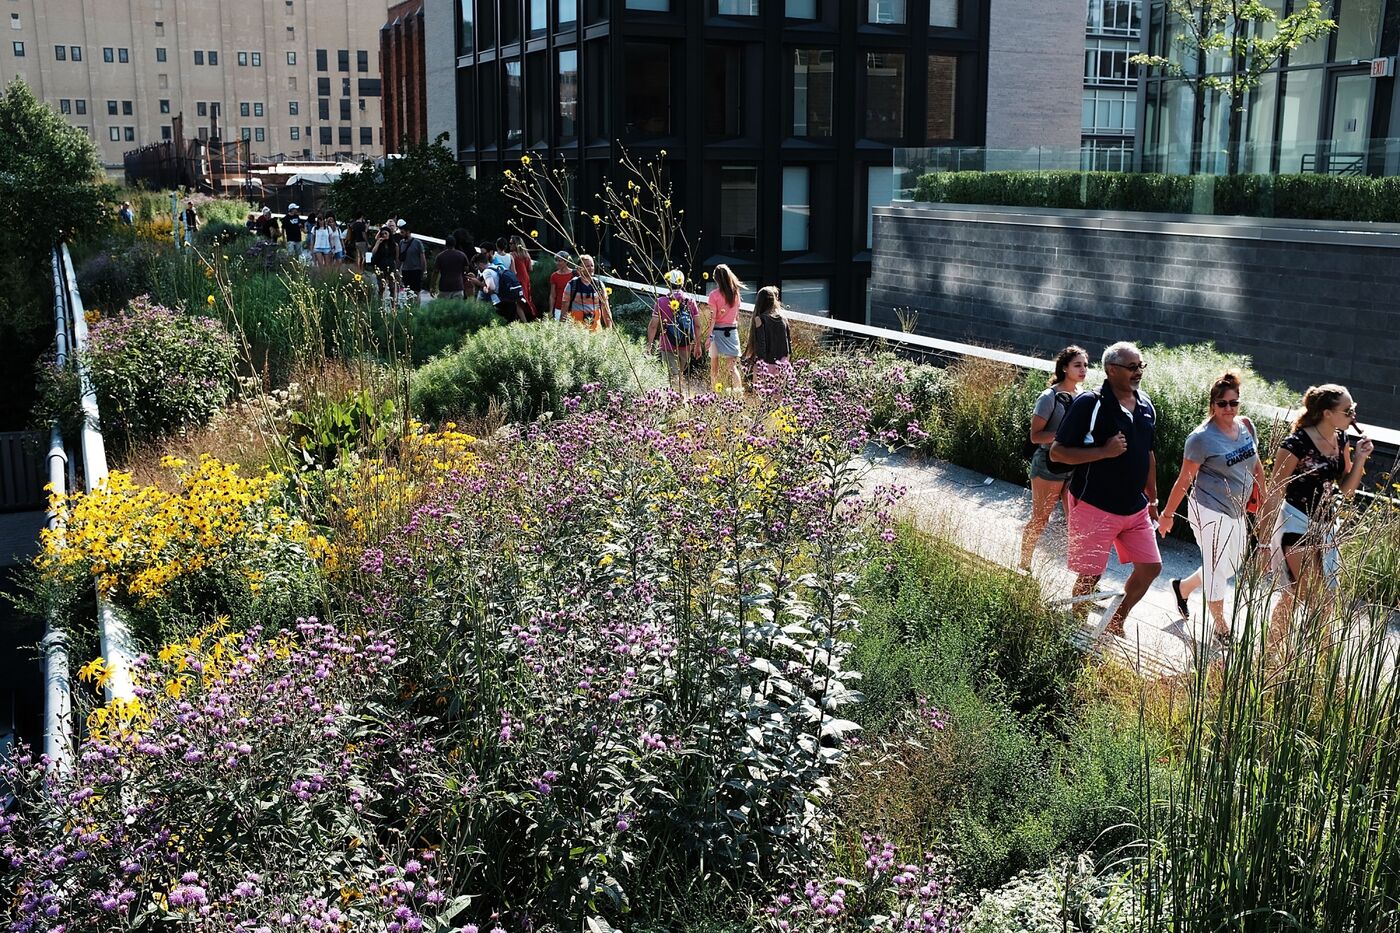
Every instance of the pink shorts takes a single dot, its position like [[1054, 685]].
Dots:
[[1092, 531]]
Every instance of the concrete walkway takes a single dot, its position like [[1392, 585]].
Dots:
[[986, 516]]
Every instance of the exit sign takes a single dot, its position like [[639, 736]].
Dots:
[[1382, 67]]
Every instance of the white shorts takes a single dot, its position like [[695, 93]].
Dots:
[[1222, 540]]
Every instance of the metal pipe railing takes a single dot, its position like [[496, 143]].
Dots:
[[58, 690], [114, 634]]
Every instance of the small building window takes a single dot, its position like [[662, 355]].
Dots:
[[886, 12], [127, 109], [60, 53], [201, 109], [160, 54], [165, 132], [325, 134], [260, 135], [18, 49], [160, 28], [342, 60], [80, 106], [344, 135], [362, 61], [213, 57], [738, 208], [258, 109], [124, 56], [366, 136], [244, 109], [243, 59], [320, 59], [75, 53], [111, 108], [65, 105], [109, 54], [165, 105], [345, 108], [291, 58], [294, 107], [246, 133], [257, 59], [115, 134], [198, 57], [129, 133], [295, 132]]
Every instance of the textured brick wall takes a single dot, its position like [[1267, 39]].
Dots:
[[440, 72], [1309, 301], [1035, 73]]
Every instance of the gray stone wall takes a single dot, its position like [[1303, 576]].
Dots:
[[1310, 301], [1035, 73], [440, 58]]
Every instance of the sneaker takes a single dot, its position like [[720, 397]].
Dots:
[[1181, 605]]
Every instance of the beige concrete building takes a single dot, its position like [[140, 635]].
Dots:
[[293, 77]]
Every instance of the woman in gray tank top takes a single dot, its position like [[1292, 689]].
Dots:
[[1047, 479], [1221, 467]]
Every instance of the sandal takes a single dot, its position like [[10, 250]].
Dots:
[[1182, 605]]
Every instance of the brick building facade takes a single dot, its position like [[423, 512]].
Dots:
[[402, 64]]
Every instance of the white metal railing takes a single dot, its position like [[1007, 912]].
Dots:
[[58, 690], [114, 634]]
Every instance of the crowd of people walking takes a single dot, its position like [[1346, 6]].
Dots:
[[1094, 451]]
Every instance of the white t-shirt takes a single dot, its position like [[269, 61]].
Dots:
[[321, 238]]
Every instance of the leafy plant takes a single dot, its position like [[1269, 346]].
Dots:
[[154, 371], [441, 324], [528, 370], [326, 431]]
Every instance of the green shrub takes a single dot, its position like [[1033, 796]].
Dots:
[[1023, 771], [112, 278], [218, 233], [442, 323], [540, 272], [155, 372], [530, 369], [1307, 196]]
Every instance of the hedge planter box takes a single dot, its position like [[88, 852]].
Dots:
[[1311, 301]]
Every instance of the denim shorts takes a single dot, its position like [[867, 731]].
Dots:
[[1040, 468]]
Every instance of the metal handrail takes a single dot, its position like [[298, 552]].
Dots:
[[58, 690], [114, 634]]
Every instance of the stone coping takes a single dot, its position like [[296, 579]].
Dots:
[[1277, 229]]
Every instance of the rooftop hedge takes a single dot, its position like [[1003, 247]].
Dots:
[[1306, 197]]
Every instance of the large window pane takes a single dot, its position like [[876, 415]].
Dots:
[[812, 71], [1115, 17], [801, 9], [943, 13], [884, 95], [1302, 103], [597, 102], [724, 70], [515, 132], [568, 12], [1259, 123], [885, 11], [737, 7], [489, 103], [568, 94], [879, 192], [797, 207], [1358, 29], [536, 99], [510, 21], [539, 17], [807, 296], [738, 208], [661, 6], [941, 123], [647, 99]]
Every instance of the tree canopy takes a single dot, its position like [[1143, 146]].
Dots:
[[428, 187], [51, 180]]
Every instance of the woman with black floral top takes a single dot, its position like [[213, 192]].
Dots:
[[1314, 469]]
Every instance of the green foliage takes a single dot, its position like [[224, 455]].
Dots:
[[325, 432], [26, 330], [442, 323], [110, 279], [1309, 197], [155, 372], [425, 185], [1022, 771], [528, 369], [1064, 898], [51, 185], [217, 233]]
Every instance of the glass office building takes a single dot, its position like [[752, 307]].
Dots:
[[1322, 109], [778, 117]]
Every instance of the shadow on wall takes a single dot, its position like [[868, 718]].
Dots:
[[1305, 300]]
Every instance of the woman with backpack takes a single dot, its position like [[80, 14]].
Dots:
[[672, 326], [724, 330], [770, 341], [585, 298], [1221, 468], [1048, 479]]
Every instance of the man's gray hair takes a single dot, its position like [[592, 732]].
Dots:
[[1115, 352]]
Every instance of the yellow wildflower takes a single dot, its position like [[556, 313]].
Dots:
[[534, 234], [624, 215], [675, 305], [524, 160], [210, 299], [96, 671], [597, 220], [92, 315]]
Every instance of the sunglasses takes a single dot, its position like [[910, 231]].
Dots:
[[1349, 412], [1135, 368], [1227, 403]]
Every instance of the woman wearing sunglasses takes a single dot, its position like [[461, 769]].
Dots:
[[1314, 469], [1220, 468]]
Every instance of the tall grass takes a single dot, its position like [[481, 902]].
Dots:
[[1285, 814]]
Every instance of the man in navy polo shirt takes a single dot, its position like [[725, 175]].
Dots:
[[1109, 436]]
